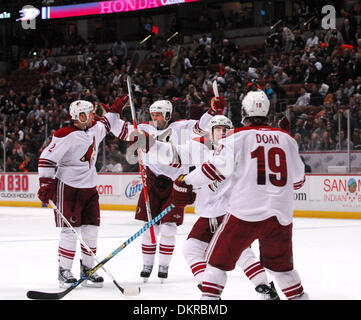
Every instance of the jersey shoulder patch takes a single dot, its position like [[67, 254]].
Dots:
[[63, 132]]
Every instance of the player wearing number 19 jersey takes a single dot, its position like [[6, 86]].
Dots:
[[264, 166]]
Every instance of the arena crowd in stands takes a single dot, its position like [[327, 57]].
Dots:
[[312, 75]]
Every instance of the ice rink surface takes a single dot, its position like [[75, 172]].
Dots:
[[327, 255]]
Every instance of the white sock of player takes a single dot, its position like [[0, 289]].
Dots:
[[252, 267], [149, 248], [214, 280], [193, 251], [89, 234], [67, 247], [166, 243], [290, 284]]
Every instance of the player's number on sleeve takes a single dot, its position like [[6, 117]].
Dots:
[[277, 164], [52, 148]]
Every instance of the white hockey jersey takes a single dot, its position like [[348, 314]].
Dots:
[[264, 167], [178, 132], [72, 153], [212, 199]]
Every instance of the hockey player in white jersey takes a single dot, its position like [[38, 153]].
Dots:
[[68, 176], [264, 167], [159, 179], [210, 205]]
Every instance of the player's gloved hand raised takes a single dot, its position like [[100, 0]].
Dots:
[[217, 105], [182, 193], [47, 190], [141, 139], [284, 124], [118, 105]]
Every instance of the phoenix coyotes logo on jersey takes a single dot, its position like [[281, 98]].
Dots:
[[90, 154]]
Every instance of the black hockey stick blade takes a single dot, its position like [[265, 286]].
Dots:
[[133, 63], [38, 295]]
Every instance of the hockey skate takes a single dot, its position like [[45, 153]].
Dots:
[[65, 277], [267, 292], [94, 281], [163, 273], [145, 274]]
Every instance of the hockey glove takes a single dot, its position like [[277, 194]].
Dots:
[[47, 190], [217, 105], [182, 193], [284, 124], [118, 105]]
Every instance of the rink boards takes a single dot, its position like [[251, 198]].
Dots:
[[322, 196]]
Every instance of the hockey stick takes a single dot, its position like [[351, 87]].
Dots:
[[57, 296], [126, 291], [172, 36], [144, 40], [141, 167], [215, 88]]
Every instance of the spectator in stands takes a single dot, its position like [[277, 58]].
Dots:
[[288, 39], [281, 77], [299, 127], [217, 34], [315, 142], [348, 32], [205, 40], [162, 71], [177, 68], [356, 137], [299, 43], [316, 98], [319, 126], [35, 63], [30, 163], [114, 165], [358, 146], [333, 38], [304, 98], [171, 91], [143, 112], [269, 92], [327, 143], [343, 143], [312, 40], [120, 50], [349, 88]]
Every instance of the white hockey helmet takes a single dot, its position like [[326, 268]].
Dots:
[[255, 104], [80, 106], [219, 120], [163, 106]]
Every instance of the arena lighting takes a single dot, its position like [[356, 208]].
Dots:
[[105, 7]]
